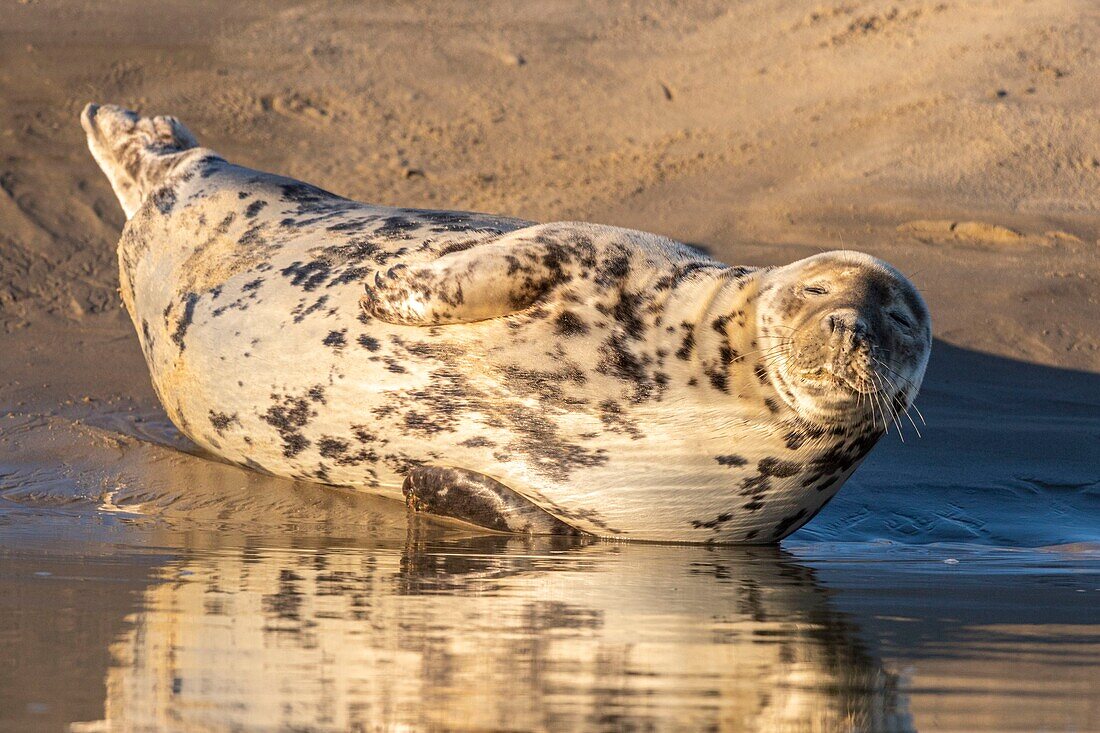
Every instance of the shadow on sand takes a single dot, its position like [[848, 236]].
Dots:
[[1010, 456]]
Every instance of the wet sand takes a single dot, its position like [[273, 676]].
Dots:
[[957, 140]]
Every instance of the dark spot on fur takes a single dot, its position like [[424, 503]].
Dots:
[[719, 380], [309, 275], [613, 269], [330, 447], [422, 424], [731, 460], [147, 335], [713, 523], [786, 523], [795, 439], [303, 193], [478, 442], [626, 313], [777, 467], [164, 198], [688, 344], [570, 324], [368, 342], [617, 360], [221, 421], [617, 421], [301, 311], [336, 340], [798, 436], [288, 415], [208, 165], [254, 208], [189, 302], [364, 435]]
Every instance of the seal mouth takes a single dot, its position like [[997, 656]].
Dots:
[[854, 379], [828, 385], [850, 383], [852, 372], [861, 386]]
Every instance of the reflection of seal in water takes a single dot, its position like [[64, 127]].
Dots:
[[609, 381], [490, 633]]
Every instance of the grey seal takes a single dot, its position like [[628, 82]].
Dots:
[[545, 378]]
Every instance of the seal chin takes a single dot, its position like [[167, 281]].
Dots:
[[828, 386], [855, 375]]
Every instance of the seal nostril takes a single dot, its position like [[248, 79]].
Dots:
[[845, 322]]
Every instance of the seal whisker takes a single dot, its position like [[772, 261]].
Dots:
[[883, 394], [876, 401], [769, 349], [884, 397], [912, 403], [906, 411]]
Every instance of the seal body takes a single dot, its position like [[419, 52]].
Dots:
[[622, 383]]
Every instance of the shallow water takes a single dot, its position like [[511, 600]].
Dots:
[[954, 584], [115, 621]]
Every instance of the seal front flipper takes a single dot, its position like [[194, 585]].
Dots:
[[475, 498], [475, 284]]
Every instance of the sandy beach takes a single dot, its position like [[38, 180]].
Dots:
[[959, 140]]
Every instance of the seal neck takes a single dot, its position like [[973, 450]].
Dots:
[[728, 325], [719, 310]]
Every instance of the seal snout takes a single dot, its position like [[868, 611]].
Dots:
[[845, 326], [846, 338]]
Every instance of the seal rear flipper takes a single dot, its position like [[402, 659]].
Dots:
[[136, 153], [475, 284], [475, 498]]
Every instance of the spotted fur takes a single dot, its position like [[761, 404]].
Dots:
[[624, 383]]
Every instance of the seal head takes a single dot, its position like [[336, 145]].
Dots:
[[846, 338]]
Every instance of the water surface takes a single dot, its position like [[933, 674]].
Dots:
[[119, 623]]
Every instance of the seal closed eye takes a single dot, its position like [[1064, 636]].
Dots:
[[538, 378]]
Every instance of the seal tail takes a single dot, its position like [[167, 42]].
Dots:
[[135, 152]]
